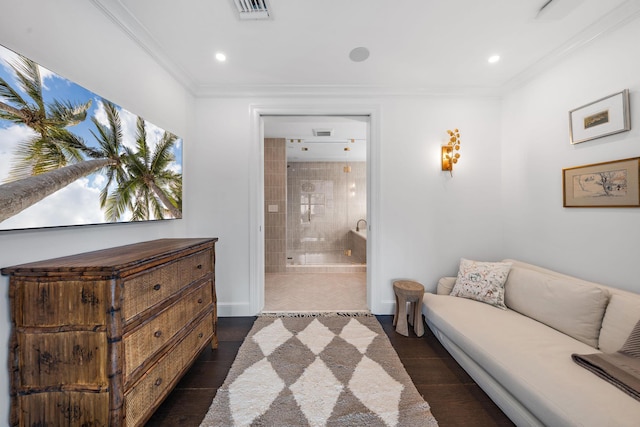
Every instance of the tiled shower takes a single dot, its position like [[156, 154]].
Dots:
[[310, 208]]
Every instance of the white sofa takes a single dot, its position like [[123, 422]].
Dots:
[[521, 356]]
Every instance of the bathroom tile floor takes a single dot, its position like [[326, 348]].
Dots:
[[293, 292]]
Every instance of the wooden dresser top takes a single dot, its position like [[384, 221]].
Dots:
[[112, 261]]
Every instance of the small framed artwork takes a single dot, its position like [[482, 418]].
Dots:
[[606, 116], [610, 184]]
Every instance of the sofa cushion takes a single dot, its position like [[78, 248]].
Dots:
[[532, 362], [482, 281], [622, 313], [445, 285], [575, 308]]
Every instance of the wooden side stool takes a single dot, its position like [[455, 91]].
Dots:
[[408, 291]]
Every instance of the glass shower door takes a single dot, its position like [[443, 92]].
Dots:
[[318, 223]]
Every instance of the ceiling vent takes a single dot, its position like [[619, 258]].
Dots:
[[322, 132], [252, 9]]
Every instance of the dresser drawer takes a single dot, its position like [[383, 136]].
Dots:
[[77, 358], [153, 286], [144, 341], [64, 408], [46, 302], [158, 381], [195, 266]]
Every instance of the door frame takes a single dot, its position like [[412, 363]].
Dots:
[[256, 192]]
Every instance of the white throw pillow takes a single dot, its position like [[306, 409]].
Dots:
[[482, 281]]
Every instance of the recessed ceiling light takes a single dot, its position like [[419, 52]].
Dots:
[[221, 57], [493, 59], [359, 54]]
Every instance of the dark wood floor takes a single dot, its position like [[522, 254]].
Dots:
[[454, 397]]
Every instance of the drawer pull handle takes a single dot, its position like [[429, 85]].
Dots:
[[200, 335], [199, 266], [157, 287], [157, 334], [199, 300], [158, 382]]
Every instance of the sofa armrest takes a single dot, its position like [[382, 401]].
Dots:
[[445, 285]]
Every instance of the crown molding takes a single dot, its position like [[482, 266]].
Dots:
[[617, 18], [133, 28], [330, 91]]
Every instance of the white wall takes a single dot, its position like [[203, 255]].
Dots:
[[82, 45], [598, 244], [428, 220], [505, 198]]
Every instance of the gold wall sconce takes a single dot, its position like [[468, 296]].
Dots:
[[449, 155]]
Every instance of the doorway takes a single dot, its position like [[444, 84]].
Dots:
[[315, 212]]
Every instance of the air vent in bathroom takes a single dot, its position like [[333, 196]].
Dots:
[[322, 132]]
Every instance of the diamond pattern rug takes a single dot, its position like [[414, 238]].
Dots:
[[318, 370]]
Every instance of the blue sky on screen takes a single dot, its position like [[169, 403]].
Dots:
[[76, 197]]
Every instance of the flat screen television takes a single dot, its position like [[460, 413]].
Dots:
[[69, 157]]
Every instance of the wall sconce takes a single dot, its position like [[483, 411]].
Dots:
[[449, 157]]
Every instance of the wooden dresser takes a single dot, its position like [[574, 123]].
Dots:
[[101, 338]]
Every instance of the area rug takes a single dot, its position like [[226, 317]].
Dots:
[[322, 369]]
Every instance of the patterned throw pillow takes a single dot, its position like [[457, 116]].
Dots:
[[482, 281], [632, 346]]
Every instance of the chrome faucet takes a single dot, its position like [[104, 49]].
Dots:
[[358, 224]]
